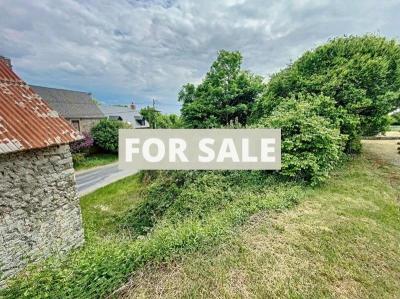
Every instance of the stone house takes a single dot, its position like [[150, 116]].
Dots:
[[127, 114], [39, 206], [77, 107]]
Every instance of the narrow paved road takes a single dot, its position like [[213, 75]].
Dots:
[[90, 180]]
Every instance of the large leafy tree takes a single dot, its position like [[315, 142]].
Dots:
[[227, 94], [360, 74]]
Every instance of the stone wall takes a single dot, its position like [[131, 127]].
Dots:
[[86, 124], [39, 207]]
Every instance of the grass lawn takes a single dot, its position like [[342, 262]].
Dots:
[[341, 241], [95, 160], [113, 251], [101, 208]]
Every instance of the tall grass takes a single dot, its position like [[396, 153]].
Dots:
[[195, 212]]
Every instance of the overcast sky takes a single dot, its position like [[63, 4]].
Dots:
[[137, 49]]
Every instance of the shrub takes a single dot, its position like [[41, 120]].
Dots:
[[361, 75], [176, 196], [147, 176], [83, 145], [169, 121], [105, 134], [78, 158], [395, 119], [159, 196], [157, 120], [311, 143]]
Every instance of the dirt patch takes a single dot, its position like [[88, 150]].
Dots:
[[392, 133], [386, 150]]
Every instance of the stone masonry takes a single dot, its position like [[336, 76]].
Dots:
[[39, 208], [88, 123]]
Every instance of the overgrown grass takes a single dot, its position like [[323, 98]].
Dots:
[[341, 241], [202, 214], [94, 160], [101, 208], [345, 235]]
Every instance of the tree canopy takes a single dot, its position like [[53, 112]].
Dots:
[[360, 74], [324, 102], [227, 94]]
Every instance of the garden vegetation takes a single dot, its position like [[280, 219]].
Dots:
[[157, 120], [105, 134], [99, 147]]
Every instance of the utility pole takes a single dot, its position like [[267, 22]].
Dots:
[[154, 110]]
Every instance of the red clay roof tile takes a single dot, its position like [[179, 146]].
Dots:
[[26, 121]]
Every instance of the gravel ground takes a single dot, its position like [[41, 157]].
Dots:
[[385, 149], [392, 134]]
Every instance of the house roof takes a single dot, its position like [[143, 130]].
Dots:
[[69, 103], [26, 121], [126, 114]]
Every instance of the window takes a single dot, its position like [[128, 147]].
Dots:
[[115, 117], [76, 124]]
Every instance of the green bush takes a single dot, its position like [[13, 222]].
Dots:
[[159, 195], [169, 121], [175, 195], [157, 120], [311, 143], [105, 134], [395, 119], [178, 195], [78, 158], [361, 74]]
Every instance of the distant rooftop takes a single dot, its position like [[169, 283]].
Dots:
[[69, 103], [125, 113]]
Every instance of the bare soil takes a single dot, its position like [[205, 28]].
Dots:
[[386, 150]]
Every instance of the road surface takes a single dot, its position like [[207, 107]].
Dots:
[[90, 180]]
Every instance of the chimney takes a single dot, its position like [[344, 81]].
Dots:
[[6, 60]]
